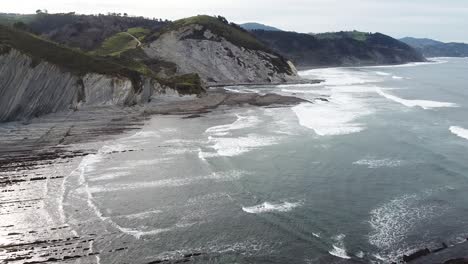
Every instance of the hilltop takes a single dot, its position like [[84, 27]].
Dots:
[[258, 26]]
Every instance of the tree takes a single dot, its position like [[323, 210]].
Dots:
[[125, 15], [21, 26], [38, 11]]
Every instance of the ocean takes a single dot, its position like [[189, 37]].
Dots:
[[375, 168]]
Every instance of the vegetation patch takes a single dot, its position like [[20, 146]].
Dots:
[[185, 84], [117, 44], [72, 60], [221, 27], [356, 35], [139, 32]]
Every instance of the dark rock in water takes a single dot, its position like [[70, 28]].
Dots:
[[457, 261], [192, 116], [416, 255], [444, 246], [322, 99]]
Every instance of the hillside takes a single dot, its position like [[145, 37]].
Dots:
[[339, 49], [38, 76], [219, 51], [433, 48], [86, 32], [257, 26]]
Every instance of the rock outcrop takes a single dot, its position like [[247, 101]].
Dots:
[[202, 48], [29, 88]]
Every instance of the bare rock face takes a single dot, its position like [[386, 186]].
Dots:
[[29, 89], [194, 48]]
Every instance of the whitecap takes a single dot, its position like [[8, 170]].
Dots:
[[339, 249], [459, 131], [424, 104], [373, 163], [267, 207]]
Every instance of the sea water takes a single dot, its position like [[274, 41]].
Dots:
[[376, 170]]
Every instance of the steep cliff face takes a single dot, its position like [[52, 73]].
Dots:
[[203, 47], [29, 88]]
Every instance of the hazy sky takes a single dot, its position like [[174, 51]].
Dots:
[[445, 20]]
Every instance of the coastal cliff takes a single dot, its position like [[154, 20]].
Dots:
[[28, 89], [220, 53]]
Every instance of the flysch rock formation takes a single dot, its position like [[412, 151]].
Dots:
[[216, 60], [28, 90]]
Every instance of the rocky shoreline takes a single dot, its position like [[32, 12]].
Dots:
[[219, 98]]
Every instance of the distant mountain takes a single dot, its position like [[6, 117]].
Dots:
[[257, 26], [434, 48], [420, 42], [352, 48]]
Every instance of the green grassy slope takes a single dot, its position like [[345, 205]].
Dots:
[[230, 31], [81, 63], [121, 42], [117, 44]]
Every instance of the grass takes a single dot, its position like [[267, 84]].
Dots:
[[116, 44], [122, 42], [356, 35], [230, 32], [139, 32], [74, 61], [184, 84]]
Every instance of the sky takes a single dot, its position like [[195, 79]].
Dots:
[[445, 20]]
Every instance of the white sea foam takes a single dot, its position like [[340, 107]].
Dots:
[[397, 77], [375, 163], [392, 221], [267, 207], [229, 147], [173, 182], [459, 131], [339, 249], [143, 135], [425, 104], [299, 85], [336, 117], [340, 76], [141, 215], [317, 92], [110, 176], [382, 73], [242, 122]]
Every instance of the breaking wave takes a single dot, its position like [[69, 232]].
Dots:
[[267, 207], [424, 104], [459, 131]]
